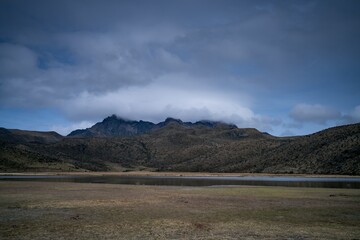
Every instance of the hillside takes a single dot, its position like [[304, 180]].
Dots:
[[174, 145], [23, 136]]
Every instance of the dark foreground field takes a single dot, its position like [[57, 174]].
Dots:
[[48, 210]]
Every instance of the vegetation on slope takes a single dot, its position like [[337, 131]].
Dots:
[[180, 147]]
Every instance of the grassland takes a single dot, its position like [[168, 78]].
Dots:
[[44, 210]]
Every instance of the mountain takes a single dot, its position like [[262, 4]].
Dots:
[[116, 144], [16, 135], [115, 126]]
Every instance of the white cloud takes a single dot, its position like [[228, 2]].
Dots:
[[315, 113], [154, 102], [165, 98], [355, 114], [352, 117]]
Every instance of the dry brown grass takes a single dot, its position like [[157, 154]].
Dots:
[[44, 210]]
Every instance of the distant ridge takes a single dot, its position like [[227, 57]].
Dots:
[[16, 135], [114, 126]]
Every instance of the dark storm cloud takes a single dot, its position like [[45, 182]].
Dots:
[[150, 59]]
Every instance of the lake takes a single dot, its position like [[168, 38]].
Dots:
[[287, 181]]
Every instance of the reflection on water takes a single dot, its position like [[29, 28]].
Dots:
[[315, 182]]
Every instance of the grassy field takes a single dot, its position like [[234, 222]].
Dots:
[[44, 210]]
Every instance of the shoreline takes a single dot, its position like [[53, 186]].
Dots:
[[170, 174]]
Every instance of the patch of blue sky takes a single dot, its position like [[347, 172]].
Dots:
[[42, 119]]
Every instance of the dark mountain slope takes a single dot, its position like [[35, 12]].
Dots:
[[16, 135], [206, 149], [174, 145], [335, 150]]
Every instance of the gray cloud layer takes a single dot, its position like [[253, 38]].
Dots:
[[221, 60], [314, 113]]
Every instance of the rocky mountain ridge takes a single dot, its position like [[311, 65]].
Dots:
[[116, 126]]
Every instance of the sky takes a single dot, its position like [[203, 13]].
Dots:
[[283, 67]]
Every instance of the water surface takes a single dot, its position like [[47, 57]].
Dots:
[[288, 181]]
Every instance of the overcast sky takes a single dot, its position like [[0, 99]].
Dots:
[[285, 67]]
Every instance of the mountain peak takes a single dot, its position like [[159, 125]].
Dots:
[[170, 119], [114, 117], [118, 126]]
